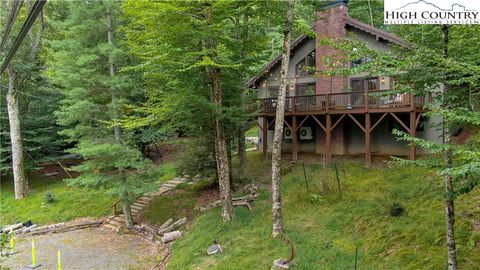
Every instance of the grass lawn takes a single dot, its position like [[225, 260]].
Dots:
[[326, 230], [71, 202], [253, 132]]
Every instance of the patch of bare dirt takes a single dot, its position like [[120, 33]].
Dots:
[[208, 195], [463, 136]]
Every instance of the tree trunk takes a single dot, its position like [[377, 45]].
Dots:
[[279, 121], [18, 167], [229, 155], [221, 155], [450, 213], [242, 152], [242, 148], [449, 200], [111, 63], [127, 210]]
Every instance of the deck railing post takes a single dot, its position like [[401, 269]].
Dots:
[[294, 104], [294, 139], [365, 100], [265, 138], [327, 102], [412, 101]]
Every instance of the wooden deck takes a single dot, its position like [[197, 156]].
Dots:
[[341, 103], [328, 110]]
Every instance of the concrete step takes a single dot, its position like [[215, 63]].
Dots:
[[171, 185], [111, 227], [115, 223], [145, 198], [136, 207], [176, 181], [141, 202], [120, 219]]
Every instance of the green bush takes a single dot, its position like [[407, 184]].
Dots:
[[316, 198], [197, 159], [49, 197]]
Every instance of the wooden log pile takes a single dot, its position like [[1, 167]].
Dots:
[[147, 231], [167, 232], [62, 227], [238, 201], [34, 229]]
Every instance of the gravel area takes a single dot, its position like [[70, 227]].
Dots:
[[93, 248]]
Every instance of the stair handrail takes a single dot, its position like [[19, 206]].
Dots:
[[114, 206]]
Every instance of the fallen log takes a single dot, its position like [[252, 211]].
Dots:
[[166, 224], [61, 227], [242, 203], [27, 229], [177, 224], [171, 236], [47, 227], [149, 229], [239, 201], [12, 227]]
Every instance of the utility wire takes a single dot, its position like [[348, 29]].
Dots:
[[11, 20], [32, 15]]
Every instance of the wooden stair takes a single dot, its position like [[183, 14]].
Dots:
[[115, 222]]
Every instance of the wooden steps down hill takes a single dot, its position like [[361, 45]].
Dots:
[[115, 222]]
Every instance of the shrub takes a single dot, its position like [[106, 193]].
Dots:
[[49, 197], [316, 198], [197, 159]]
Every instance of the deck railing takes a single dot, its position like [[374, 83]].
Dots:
[[344, 101]]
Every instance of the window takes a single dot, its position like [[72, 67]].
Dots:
[[306, 66], [358, 62], [305, 89], [362, 84], [272, 91]]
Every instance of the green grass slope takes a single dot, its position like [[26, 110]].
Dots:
[[326, 229], [70, 203]]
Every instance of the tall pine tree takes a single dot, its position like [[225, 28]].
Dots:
[[85, 63]]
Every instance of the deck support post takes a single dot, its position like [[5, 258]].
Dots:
[[264, 138], [413, 133], [294, 139], [328, 138], [368, 150]]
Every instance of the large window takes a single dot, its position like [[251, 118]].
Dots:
[[305, 89], [306, 66], [362, 84]]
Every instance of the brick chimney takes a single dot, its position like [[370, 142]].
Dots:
[[330, 24]]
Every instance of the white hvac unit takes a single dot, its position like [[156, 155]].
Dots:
[[306, 133], [287, 133]]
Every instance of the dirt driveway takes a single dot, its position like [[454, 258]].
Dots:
[[94, 248]]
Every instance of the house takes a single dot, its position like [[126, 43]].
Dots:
[[335, 115]]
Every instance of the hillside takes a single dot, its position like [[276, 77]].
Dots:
[[326, 229]]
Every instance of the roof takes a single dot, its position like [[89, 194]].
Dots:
[[379, 33], [276, 60], [349, 21]]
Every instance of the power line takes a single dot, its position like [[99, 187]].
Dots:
[[11, 20], [32, 15]]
